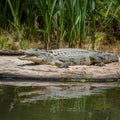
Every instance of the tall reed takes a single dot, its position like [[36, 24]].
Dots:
[[14, 7], [47, 10], [64, 21], [59, 22], [92, 4]]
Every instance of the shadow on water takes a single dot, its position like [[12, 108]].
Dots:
[[17, 77], [18, 103]]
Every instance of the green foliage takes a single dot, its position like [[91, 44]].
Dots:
[[47, 10], [61, 21], [77, 12], [109, 18], [14, 7], [3, 43]]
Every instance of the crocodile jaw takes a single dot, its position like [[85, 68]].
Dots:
[[34, 59]]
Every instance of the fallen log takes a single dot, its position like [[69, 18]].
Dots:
[[11, 52]]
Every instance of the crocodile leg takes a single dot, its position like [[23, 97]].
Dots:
[[65, 65], [96, 60], [100, 64], [61, 64]]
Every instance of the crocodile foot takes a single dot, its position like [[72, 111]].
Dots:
[[100, 64]]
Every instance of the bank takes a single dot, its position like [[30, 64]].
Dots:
[[13, 69]]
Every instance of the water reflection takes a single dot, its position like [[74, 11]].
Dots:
[[7, 96], [15, 104]]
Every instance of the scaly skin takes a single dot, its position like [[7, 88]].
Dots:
[[68, 56]]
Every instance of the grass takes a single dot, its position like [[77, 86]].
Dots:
[[21, 40], [58, 23]]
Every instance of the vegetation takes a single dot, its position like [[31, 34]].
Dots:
[[58, 23]]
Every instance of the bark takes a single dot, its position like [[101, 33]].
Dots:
[[11, 52]]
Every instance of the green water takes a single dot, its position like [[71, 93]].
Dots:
[[16, 106]]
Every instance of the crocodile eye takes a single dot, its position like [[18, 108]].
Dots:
[[36, 49]]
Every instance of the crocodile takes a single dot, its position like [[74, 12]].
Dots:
[[66, 57]]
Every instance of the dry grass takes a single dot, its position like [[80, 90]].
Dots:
[[15, 40], [112, 48]]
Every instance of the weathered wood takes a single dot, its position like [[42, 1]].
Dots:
[[11, 52], [11, 69]]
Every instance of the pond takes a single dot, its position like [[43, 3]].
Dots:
[[43, 103]]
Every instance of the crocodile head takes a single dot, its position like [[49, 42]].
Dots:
[[34, 52], [38, 58], [35, 59]]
